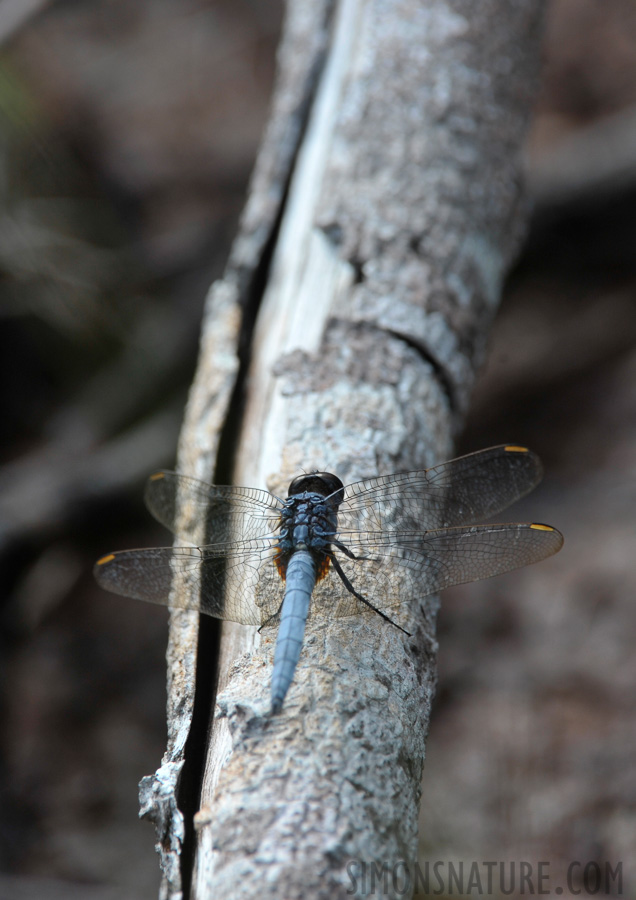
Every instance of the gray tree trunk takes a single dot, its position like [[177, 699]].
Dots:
[[384, 212]]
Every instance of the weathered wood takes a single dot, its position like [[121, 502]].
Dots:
[[402, 216]]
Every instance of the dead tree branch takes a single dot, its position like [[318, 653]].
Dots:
[[384, 212]]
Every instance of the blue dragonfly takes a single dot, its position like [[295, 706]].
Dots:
[[331, 550]]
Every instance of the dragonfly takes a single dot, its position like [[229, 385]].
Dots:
[[330, 550]]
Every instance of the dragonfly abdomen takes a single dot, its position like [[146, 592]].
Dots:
[[301, 579]]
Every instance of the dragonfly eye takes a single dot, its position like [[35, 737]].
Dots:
[[323, 483]]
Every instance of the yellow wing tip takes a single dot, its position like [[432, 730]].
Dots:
[[105, 559], [539, 527], [157, 476], [514, 448]]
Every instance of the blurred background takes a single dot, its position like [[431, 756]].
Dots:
[[127, 135]]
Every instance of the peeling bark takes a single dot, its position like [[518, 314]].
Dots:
[[392, 162]]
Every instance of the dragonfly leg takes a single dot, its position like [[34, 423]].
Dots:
[[344, 549], [347, 551], [364, 600], [273, 619]]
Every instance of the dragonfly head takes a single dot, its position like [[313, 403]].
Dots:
[[323, 483]]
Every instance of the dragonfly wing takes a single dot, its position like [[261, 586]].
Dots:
[[208, 513], [242, 586], [459, 492], [390, 571]]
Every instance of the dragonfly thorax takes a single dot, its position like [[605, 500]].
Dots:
[[308, 522]]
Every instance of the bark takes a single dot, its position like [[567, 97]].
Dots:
[[384, 212]]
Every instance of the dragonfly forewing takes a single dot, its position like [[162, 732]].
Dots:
[[459, 492], [206, 513]]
